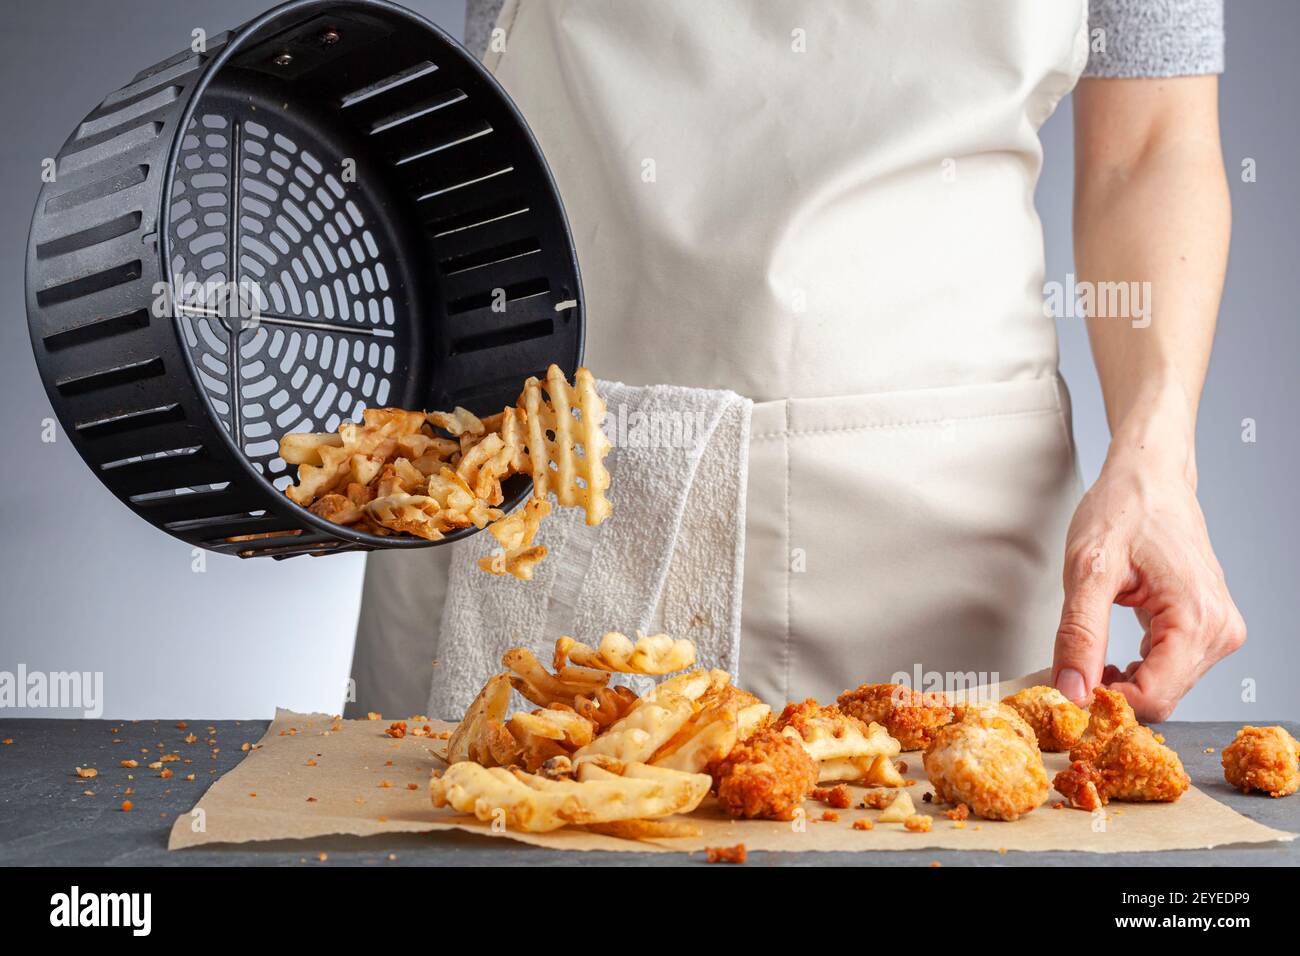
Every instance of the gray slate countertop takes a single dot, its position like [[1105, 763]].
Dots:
[[46, 818]]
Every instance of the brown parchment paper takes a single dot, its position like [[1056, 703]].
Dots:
[[266, 798]]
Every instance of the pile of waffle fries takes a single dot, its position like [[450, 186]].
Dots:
[[430, 473], [601, 757]]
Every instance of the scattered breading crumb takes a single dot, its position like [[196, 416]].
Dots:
[[88, 793], [322, 856], [190, 777], [902, 766], [130, 764], [190, 738], [927, 797], [830, 816], [87, 772], [917, 823], [412, 786], [959, 812], [1059, 805], [244, 747], [837, 796], [7, 741], [1160, 738], [385, 784], [726, 854], [959, 824], [165, 774], [935, 864], [374, 716], [127, 806], [1208, 750], [311, 800], [878, 799], [1002, 850], [396, 729], [182, 726], [252, 793], [863, 824], [311, 761]]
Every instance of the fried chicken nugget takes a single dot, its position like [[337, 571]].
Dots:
[[1135, 766], [769, 775], [909, 716], [1263, 758], [983, 762], [997, 710], [1108, 714], [1057, 721]]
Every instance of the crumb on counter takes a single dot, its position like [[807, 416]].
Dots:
[[917, 823], [725, 854]]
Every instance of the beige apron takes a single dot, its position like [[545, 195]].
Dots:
[[828, 207]]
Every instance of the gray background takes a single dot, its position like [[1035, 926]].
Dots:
[[89, 587]]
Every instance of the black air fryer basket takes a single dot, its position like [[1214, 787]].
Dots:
[[377, 196]]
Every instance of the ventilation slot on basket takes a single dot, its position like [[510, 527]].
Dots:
[[89, 285], [96, 329], [442, 101], [134, 372], [456, 265], [506, 336], [112, 229], [423, 68], [513, 293], [133, 176], [109, 148], [127, 112], [460, 222], [117, 424]]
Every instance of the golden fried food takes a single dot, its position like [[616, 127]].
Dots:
[[394, 474], [1057, 721], [530, 802], [536, 684], [1135, 766], [844, 747], [638, 736], [481, 736], [1108, 714], [899, 809], [555, 435], [770, 775], [909, 716], [983, 762], [518, 555], [656, 654], [706, 737], [646, 829], [1081, 785], [998, 710], [547, 733], [693, 685], [606, 705], [1263, 758]]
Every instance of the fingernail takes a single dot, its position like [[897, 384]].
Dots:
[[1070, 683]]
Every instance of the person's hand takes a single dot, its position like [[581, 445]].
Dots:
[[1139, 539]]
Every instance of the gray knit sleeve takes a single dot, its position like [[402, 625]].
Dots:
[[480, 18], [1155, 37]]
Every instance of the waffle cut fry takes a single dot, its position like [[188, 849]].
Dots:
[[658, 654], [518, 555], [537, 804], [555, 436]]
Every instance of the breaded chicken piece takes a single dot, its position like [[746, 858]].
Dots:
[[1109, 713], [768, 775], [984, 763], [1135, 766], [1058, 722], [1081, 785], [1263, 758], [993, 709], [909, 716]]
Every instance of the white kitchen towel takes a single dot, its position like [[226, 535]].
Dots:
[[671, 556]]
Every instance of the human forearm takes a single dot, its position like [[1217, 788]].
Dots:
[[1152, 213]]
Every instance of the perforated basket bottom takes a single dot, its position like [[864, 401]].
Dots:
[[289, 284]]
